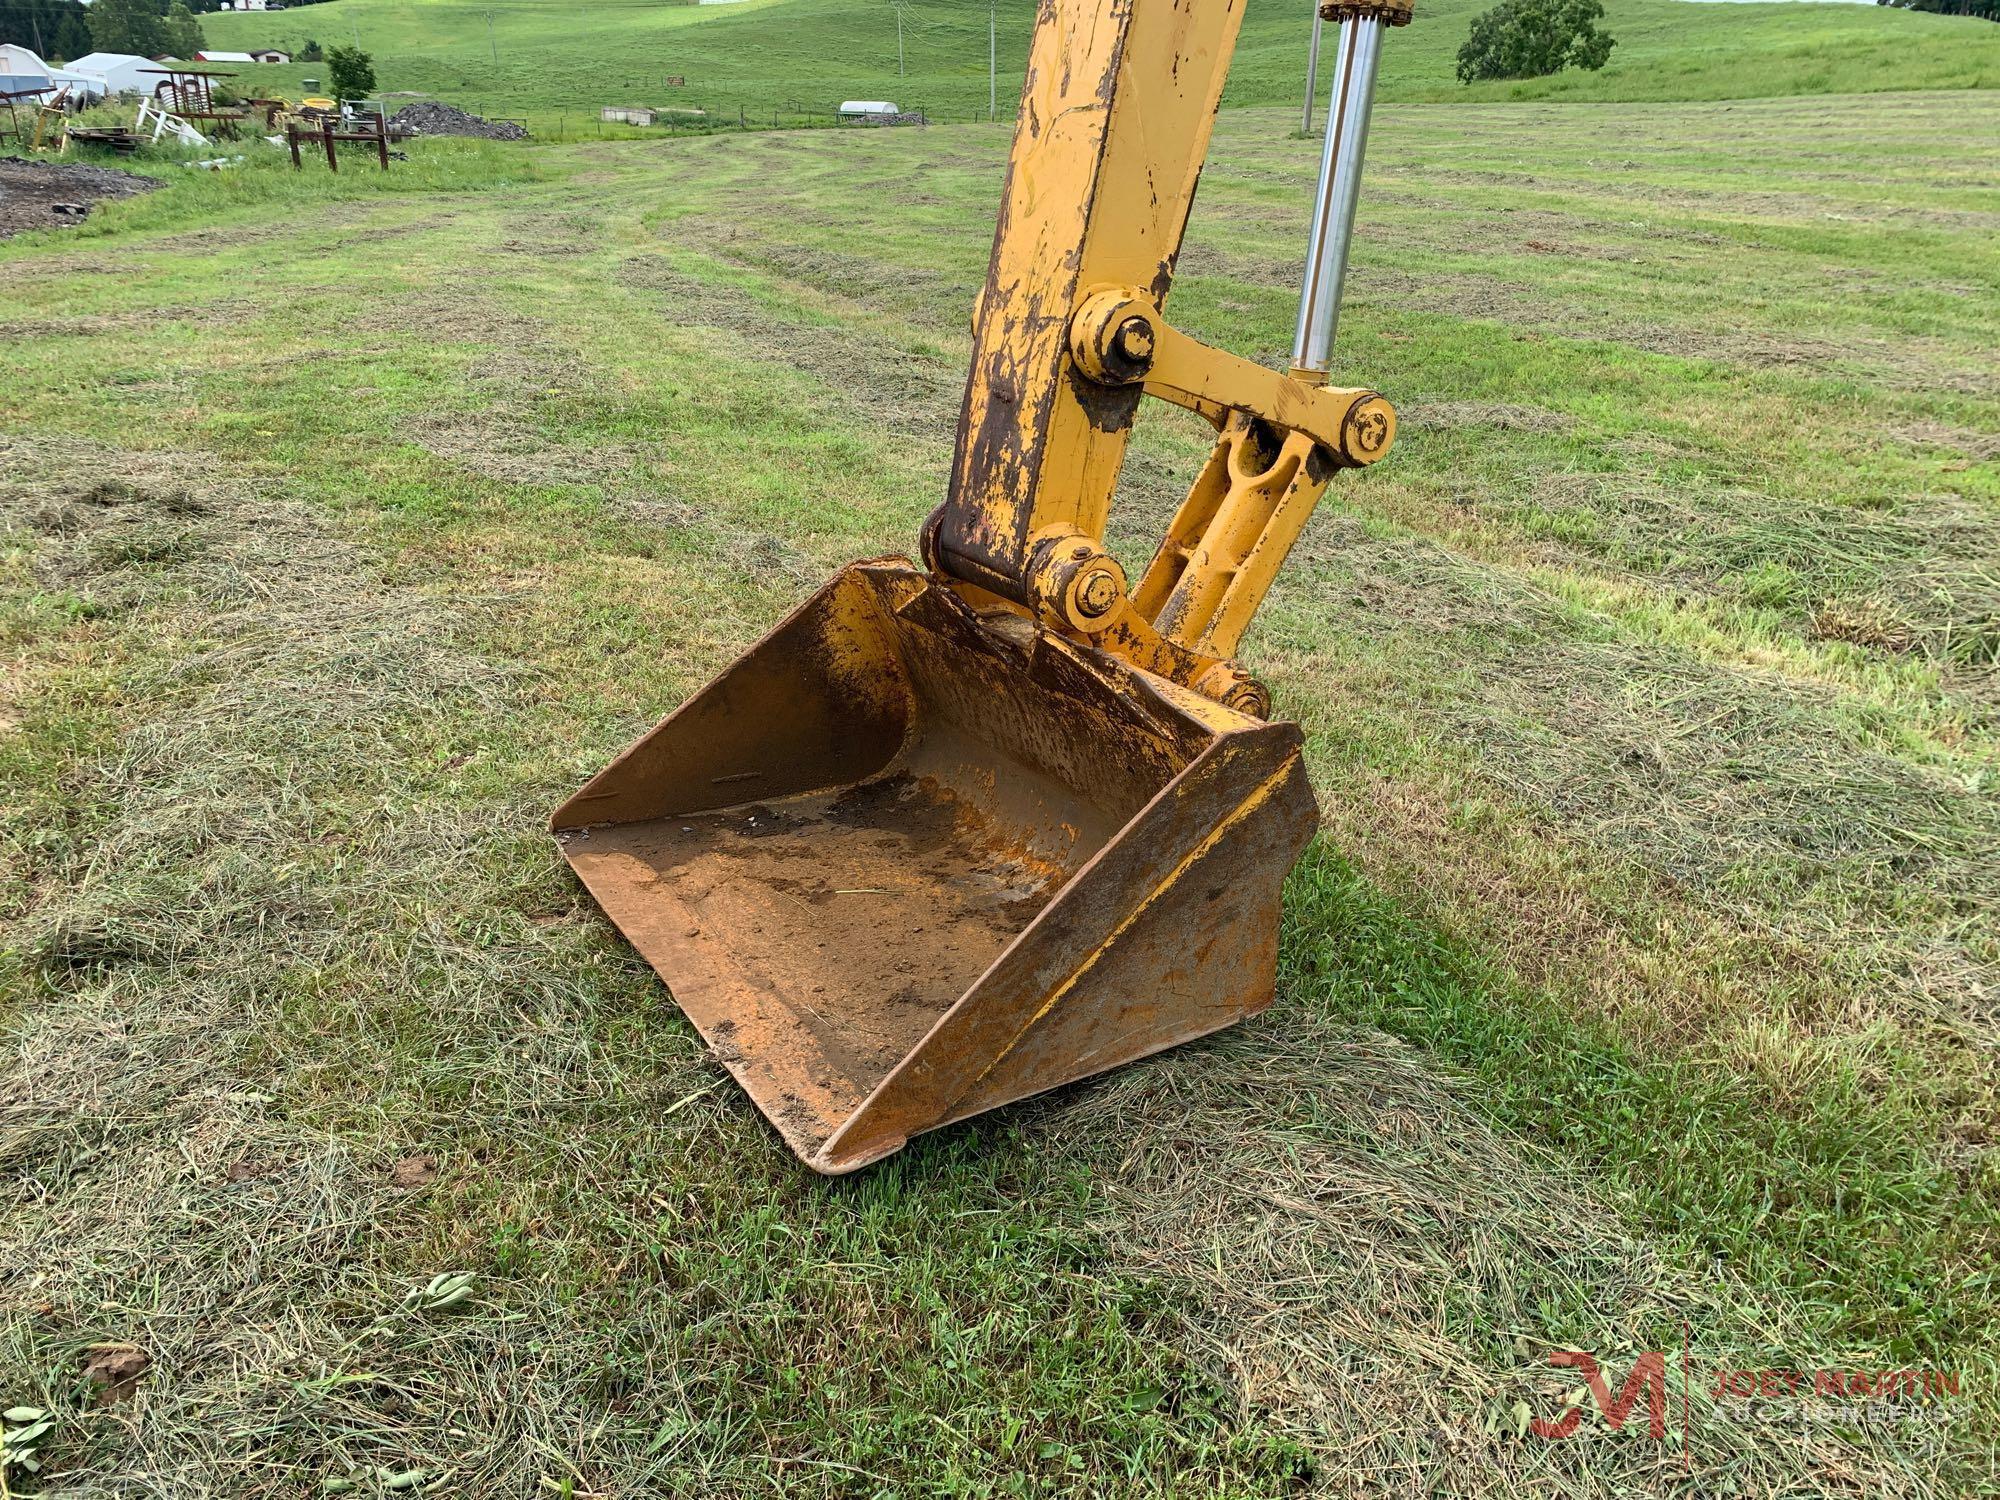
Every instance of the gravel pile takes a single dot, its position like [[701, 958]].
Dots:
[[432, 118]]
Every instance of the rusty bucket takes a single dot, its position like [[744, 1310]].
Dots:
[[903, 862]]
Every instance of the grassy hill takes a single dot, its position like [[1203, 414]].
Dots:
[[540, 58]]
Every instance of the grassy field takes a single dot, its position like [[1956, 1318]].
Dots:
[[1642, 976], [555, 64]]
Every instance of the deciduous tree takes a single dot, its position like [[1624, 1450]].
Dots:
[[134, 26], [350, 72], [184, 36], [1532, 38]]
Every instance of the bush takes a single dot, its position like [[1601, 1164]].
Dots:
[[1533, 38]]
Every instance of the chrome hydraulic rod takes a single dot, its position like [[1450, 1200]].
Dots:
[[1356, 52], [1312, 72]]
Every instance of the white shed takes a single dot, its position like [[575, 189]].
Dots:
[[861, 109], [122, 72], [21, 72]]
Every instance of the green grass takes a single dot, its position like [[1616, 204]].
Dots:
[[1638, 976], [782, 59]]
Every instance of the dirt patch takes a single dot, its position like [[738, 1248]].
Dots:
[[51, 195], [412, 1172], [115, 1370], [1504, 415]]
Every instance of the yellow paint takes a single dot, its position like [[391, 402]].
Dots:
[[1070, 332], [1262, 793]]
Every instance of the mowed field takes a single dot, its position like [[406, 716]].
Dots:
[[1638, 993], [555, 63]]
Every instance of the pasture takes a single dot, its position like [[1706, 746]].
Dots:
[[556, 64], [1638, 989]]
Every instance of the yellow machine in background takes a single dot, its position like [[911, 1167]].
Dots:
[[281, 112], [953, 835]]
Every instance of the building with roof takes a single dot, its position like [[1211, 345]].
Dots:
[[26, 79], [22, 73], [120, 72]]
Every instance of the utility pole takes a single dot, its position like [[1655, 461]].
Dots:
[[992, 60], [496, 46], [899, 39], [1312, 72]]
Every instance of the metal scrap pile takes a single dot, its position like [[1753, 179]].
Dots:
[[433, 118]]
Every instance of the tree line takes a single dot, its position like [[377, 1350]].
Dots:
[[55, 30], [63, 30], [1986, 10]]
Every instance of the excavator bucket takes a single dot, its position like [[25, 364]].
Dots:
[[904, 862]]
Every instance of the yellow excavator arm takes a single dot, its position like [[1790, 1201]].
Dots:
[[949, 837], [1071, 332]]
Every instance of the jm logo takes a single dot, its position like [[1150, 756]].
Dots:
[[1648, 1378]]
